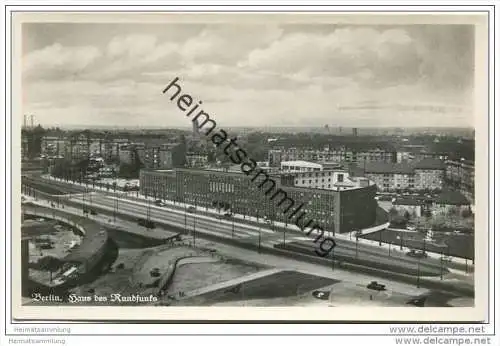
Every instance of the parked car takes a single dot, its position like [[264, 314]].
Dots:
[[191, 209], [228, 214], [374, 285], [93, 212], [155, 272], [160, 203], [417, 254]]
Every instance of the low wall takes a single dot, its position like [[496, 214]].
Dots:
[[94, 241]]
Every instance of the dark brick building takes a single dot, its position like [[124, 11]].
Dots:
[[335, 211]]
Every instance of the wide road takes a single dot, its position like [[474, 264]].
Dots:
[[245, 230], [246, 233]]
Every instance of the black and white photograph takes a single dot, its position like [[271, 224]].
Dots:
[[250, 161]]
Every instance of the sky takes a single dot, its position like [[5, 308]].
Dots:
[[249, 74]]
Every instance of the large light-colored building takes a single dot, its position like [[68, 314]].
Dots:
[[427, 174], [461, 175], [338, 154], [196, 160], [330, 180], [300, 166]]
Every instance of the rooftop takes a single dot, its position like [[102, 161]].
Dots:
[[430, 163], [406, 201], [301, 163], [452, 197], [404, 167]]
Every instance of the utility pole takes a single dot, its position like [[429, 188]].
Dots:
[[418, 273], [232, 223], [259, 237], [441, 267], [194, 223], [194, 229], [333, 258], [357, 239]]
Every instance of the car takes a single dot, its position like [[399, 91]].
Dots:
[[160, 203], [374, 285], [321, 295], [93, 212], [417, 254], [155, 272], [149, 224], [228, 214], [191, 209]]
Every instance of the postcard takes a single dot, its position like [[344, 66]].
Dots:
[[250, 166]]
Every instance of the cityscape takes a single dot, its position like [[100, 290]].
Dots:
[[118, 210]]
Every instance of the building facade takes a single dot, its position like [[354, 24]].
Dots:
[[460, 174], [336, 211], [337, 154], [330, 180], [427, 174], [196, 160]]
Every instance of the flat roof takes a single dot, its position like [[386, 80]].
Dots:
[[301, 163]]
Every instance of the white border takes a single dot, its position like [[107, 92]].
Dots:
[[210, 329]]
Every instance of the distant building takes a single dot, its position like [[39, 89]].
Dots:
[[354, 131], [300, 166], [460, 174], [449, 200], [413, 206], [194, 160], [417, 152], [427, 174], [355, 153], [330, 180], [53, 147]]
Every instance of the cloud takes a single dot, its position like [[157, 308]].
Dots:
[[259, 73], [364, 54], [58, 61]]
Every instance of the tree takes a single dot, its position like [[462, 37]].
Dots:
[[50, 263], [407, 215], [393, 211], [466, 213]]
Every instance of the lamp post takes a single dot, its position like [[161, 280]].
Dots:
[[441, 265], [333, 258], [357, 240], [418, 273], [194, 229], [232, 226], [259, 239]]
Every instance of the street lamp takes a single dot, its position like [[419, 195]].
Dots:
[[194, 228], [418, 272], [357, 240], [232, 226], [333, 258]]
